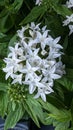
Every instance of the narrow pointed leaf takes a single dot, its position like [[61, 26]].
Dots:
[[13, 117]]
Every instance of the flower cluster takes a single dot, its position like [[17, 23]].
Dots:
[[69, 20], [35, 61]]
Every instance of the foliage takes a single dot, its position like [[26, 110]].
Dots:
[[14, 102]]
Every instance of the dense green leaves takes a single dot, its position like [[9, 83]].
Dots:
[[31, 113], [3, 87], [62, 126], [54, 24], [3, 50], [68, 61], [13, 7], [60, 118], [66, 83], [70, 128], [6, 21], [3, 103], [62, 10], [34, 109], [1, 2], [2, 35], [13, 117], [61, 115], [36, 12]]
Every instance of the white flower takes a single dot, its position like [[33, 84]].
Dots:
[[34, 61], [15, 51], [69, 3], [32, 87], [53, 43], [34, 27], [54, 53], [32, 43], [46, 63], [13, 62], [44, 28], [71, 29], [29, 71], [38, 2], [33, 54], [33, 57], [21, 32], [17, 79], [9, 72], [68, 20], [42, 92], [43, 39], [50, 73], [60, 68], [32, 83]]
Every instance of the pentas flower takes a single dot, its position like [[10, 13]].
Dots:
[[71, 29], [34, 61], [35, 27], [69, 3], [69, 22], [38, 2]]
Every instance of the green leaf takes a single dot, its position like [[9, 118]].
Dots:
[[3, 87], [61, 115], [28, 107], [70, 128], [48, 106], [2, 35], [53, 1], [55, 123], [3, 82], [62, 10], [2, 3], [13, 105], [6, 21], [54, 24], [3, 49], [3, 103], [48, 120], [59, 92], [69, 72], [72, 111], [66, 59], [33, 15], [14, 7], [65, 43], [37, 108], [34, 109], [3, 18], [12, 41], [62, 126], [1, 63], [57, 99], [66, 83], [13, 117]]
